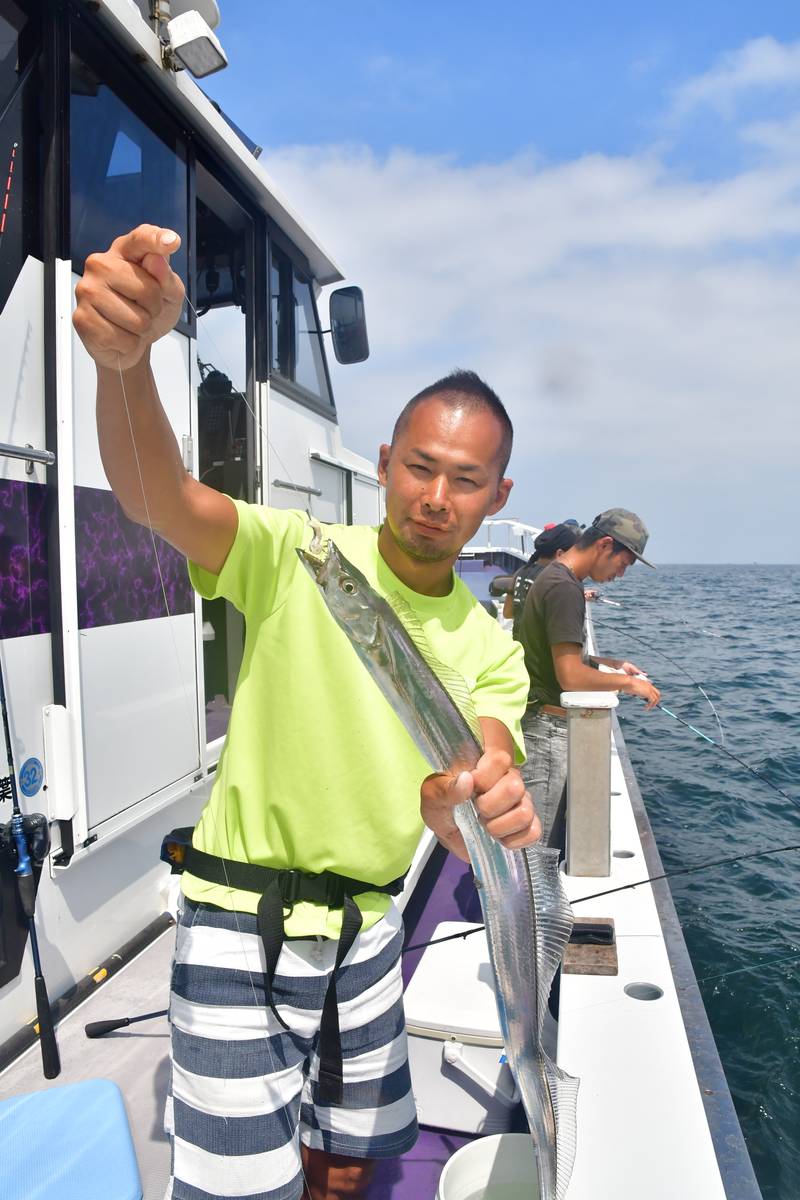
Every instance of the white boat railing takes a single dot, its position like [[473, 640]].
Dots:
[[504, 533]]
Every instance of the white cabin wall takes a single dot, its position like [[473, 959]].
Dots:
[[22, 396], [295, 432], [134, 688], [87, 912], [138, 723], [26, 658], [368, 502], [138, 676]]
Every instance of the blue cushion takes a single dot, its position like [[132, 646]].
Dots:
[[68, 1143]]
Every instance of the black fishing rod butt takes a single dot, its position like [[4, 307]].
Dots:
[[51, 1061], [98, 1029]]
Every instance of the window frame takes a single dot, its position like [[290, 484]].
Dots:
[[91, 47], [146, 103], [289, 387], [257, 306]]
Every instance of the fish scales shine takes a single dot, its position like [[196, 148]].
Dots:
[[527, 917]]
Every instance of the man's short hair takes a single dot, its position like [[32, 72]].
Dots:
[[592, 534], [468, 390]]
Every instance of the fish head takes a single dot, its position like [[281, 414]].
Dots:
[[347, 594]]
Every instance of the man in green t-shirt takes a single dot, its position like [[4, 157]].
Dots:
[[318, 780]]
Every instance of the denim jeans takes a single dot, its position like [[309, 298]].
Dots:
[[545, 773]]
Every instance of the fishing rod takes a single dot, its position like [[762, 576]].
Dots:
[[694, 628], [704, 866], [736, 758], [97, 1029], [680, 668], [21, 828]]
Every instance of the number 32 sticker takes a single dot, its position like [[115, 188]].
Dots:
[[31, 776]]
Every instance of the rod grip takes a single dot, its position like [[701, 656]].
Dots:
[[51, 1061], [27, 893], [96, 1029]]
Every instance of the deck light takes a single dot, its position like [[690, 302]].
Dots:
[[194, 46]]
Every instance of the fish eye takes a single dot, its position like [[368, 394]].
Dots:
[[348, 585]]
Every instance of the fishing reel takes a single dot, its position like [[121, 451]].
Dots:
[[37, 838]]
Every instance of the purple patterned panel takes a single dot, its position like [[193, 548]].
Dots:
[[118, 577], [24, 591], [415, 1176]]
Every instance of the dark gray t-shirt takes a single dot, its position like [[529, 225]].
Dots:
[[555, 611], [523, 582]]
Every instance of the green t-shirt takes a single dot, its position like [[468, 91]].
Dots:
[[317, 771]]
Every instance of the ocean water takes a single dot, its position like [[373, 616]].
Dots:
[[735, 629]]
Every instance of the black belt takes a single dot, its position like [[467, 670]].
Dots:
[[279, 888]]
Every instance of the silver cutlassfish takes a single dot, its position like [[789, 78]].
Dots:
[[528, 920]]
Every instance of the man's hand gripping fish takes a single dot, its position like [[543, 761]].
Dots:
[[528, 920]]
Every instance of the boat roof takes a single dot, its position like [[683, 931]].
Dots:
[[125, 24]]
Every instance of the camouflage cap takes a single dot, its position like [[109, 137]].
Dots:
[[624, 527]]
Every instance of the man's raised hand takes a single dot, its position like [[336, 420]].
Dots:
[[129, 297]]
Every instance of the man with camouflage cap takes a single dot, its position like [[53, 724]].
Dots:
[[551, 631]]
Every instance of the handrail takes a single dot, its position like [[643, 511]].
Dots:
[[296, 487], [28, 455]]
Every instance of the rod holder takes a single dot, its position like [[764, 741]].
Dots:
[[588, 850]]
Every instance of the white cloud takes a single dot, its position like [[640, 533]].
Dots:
[[759, 65], [778, 138], [641, 327]]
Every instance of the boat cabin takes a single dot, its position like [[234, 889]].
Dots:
[[119, 678]]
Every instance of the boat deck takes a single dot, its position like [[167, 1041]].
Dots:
[[655, 1117], [137, 1058]]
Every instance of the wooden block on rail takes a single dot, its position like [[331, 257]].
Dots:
[[592, 948]]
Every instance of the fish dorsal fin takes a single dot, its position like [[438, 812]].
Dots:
[[453, 683]]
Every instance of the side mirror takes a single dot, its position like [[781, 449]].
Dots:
[[349, 325]]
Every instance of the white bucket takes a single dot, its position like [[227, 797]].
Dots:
[[500, 1167]]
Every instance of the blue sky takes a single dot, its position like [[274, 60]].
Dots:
[[597, 208], [459, 78]]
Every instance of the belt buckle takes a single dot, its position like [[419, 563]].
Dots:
[[303, 885], [289, 883]]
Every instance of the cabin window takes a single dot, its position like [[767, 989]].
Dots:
[[223, 269], [19, 133], [121, 173], [297, 358]]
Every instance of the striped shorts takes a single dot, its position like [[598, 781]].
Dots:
[[244, 1090]]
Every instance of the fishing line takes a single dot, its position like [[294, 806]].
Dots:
[[730, 754], [704, 866], [771, 962], [683, 670], [694, 628], [265, 439], [284, 1107], [719, 862]]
